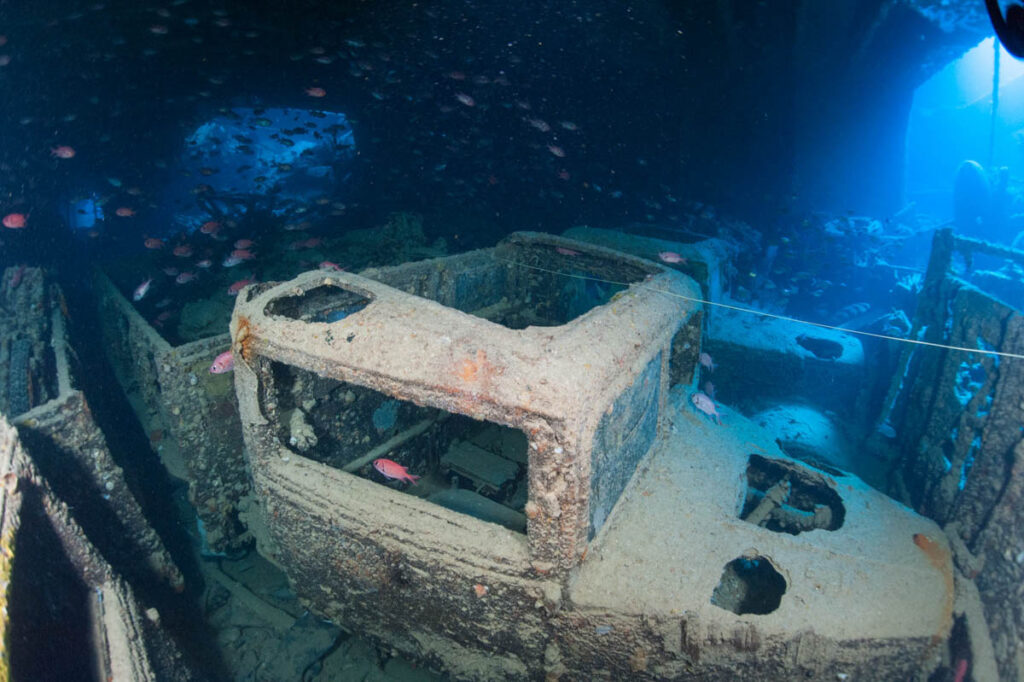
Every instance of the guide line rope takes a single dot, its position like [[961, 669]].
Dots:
[[751, 311]]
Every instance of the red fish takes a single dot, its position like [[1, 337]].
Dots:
[[15, 221], [183, 251], [209, 227], [316, 92], [124, 212], [62, 152], [465, 99], [153, 243], [225, 362], [328, 265], [394, 470], [185, 278], [235, 288]]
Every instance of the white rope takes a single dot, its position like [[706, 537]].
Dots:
[[752, 311]]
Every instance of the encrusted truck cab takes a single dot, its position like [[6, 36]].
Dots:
[[572, 515]]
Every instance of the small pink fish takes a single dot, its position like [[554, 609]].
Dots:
[[244, 243], [15, 221], [328, 265], [706, 405], [141, 290], [465, 99], [225, 362], [394, 470], [566, 252], [671, 257], [236, 287], [707, 362], [231, 261], [62, 152], [185, 278]]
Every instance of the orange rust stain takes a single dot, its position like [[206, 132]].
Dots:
[[244, 339], [933, 550], [939, 557], [467, 370], [476, 369]]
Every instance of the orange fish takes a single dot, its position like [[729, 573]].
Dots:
[[62, 152], [316, 92], [394, 470], [124, 212]]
